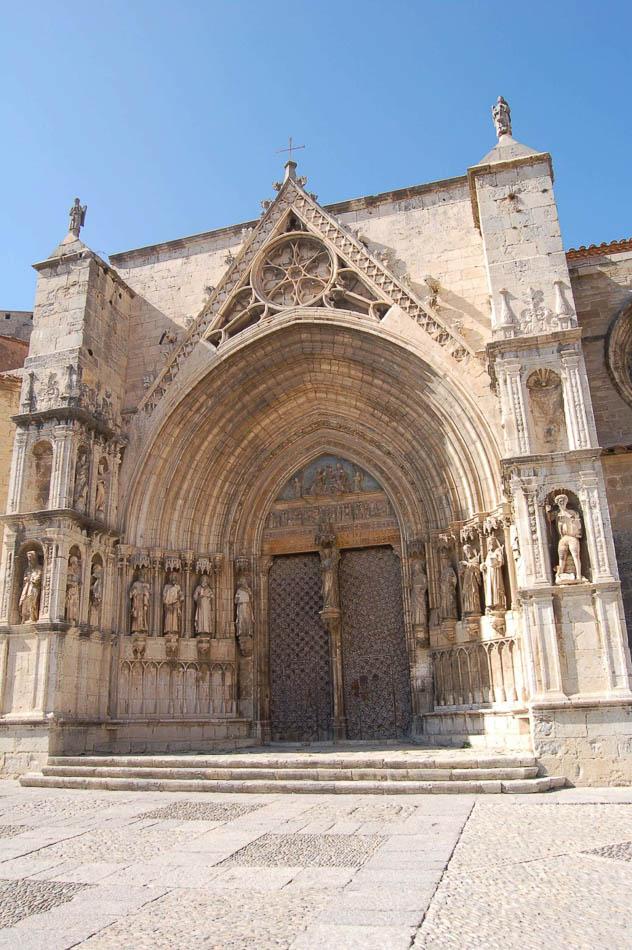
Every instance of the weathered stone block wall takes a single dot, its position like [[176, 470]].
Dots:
[[602, 286], [9, 405]]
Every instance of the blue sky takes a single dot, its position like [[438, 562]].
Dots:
[[165, 117]]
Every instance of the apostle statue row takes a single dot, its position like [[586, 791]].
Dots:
[[204, 607]]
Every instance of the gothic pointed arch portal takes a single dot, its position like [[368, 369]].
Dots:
[[337, 646]]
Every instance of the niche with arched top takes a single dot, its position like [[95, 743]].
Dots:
[[546, 406], [552, 511], [41, 470], [82, 479], [101, 492], [95, 600], [72, 605], [27, 586]]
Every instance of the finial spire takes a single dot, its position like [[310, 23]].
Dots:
[[77, 216], [501, 114]]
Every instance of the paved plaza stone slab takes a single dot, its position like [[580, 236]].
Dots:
[[160, 870], [307, 851]]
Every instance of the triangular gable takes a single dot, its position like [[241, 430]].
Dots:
[[240, 300]]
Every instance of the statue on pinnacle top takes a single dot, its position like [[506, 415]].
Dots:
[[77, 216], [501, 114]]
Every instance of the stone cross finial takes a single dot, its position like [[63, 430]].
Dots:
[[77, 216], [501, 113]]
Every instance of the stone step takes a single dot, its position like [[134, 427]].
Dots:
[[432, 759], [306, 773], [258, 786]]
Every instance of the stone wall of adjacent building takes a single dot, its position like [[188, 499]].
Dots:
[[12, 355], [602, 286]]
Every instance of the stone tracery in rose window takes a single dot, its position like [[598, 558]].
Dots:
[[298, 269]]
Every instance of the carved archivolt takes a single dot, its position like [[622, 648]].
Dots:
[[619, 353]]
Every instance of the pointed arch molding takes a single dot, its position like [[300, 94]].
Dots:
[[224, 447], [292, 199]]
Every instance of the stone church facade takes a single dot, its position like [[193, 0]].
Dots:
[[357, 471]]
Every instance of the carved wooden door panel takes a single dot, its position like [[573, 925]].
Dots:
[[376, 673], [300, 670]]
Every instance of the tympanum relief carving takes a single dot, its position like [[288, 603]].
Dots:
[[332, 490]]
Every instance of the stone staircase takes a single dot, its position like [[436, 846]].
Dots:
[[341, 769]]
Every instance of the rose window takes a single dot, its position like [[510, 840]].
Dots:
[[295, 271]]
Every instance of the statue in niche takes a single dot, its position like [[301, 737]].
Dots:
[[203, 599], [82, 480], [297, 487], [99, 503], [31, 589], [96, 593], [139, 596], [244, 616], [569, 529], [447, 584], [172, 598], [73, 590], [358, 480], [470, 572], [495, 598], [419, 592], [501, 114]]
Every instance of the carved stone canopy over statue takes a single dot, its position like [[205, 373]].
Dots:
[[470, 572], [569, 529], [31, 589], [495, 597], [77, 216], [73, 589], [203, 598], [172, 598], [501, 114], [139, 597]]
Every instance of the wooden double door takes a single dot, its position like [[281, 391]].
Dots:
[[376, 677]]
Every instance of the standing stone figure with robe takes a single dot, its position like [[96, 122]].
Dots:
[[139, 596], [96, 593], [495, 598], [73, 589], [448, 609], [172, 598], [31, 589], [470, 571], [244, 616], [203, 599], [418, 594]]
